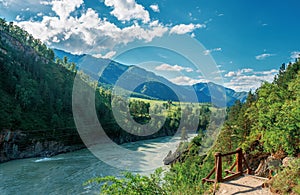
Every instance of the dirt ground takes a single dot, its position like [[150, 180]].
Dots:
[[247, 184]]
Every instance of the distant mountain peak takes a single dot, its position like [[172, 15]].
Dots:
[[157, 87]]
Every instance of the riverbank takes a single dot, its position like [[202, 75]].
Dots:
[[18, 145]]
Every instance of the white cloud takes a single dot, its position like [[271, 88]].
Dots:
[[264, 56], [247, 70], [240, 72], [246, 79], [295, 54], [230, 74], [128, 10], [5, 3], [219, 71], [267, 72], [208, 51], [18, 18], [108, 55], [177, 68], [19, 6], [155, 7], [185, 28], [87, 32], [184, 80], [63, 8]]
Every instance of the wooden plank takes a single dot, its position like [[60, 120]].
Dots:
[[210, 174], [230, 177], [228, 154], [230, 172], [208, 180]]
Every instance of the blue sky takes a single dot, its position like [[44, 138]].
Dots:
[[248, 40]]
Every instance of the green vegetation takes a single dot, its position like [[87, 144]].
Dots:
[[165, 117], [35, 92], [36, 96], [266, 124], [288, 180], [269, 121], [132, 184]]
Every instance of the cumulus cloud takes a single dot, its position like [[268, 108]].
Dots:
[[128, 10], [18, 18], [247, 70], [87, 32], [185, 28], [5, 3], [208, 51], [247, 79], [17, 7], [184, 80], [295, 54], [63, 8], [108, 55], [230, 74], [155, 7], [177, 68], [264, 56]]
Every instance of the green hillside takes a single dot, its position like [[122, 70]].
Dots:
[[267, 124], [36, 101]]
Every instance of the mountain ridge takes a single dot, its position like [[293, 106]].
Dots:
[[111, 72]]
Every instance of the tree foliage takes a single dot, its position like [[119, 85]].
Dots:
[[270, 116]]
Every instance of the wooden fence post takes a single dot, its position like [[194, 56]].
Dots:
[[239, 160], [218, 161]]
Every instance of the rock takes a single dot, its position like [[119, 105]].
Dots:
[[287, 160], [169, 158], [273, 163], [268, 166], [17, 145], [172, 157], [38, 147]]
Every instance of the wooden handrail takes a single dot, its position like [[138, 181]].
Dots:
[[240, 160]]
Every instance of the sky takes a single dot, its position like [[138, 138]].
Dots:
[[246, 41]]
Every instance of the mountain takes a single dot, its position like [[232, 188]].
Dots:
[[146, 83], [38, 108], [36, 112]]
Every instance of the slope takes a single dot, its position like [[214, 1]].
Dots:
[[151, 85]]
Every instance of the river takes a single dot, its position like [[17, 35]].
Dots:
[[66, 173]]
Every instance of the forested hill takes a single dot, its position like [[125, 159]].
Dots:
[[269, 121], [36, 101], [35, 92], [266, 127]]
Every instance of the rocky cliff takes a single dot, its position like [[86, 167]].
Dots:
[[18, 144]]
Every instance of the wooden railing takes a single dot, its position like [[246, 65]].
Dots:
[[239, 161]]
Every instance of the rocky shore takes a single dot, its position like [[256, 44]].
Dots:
[[18, 145]]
